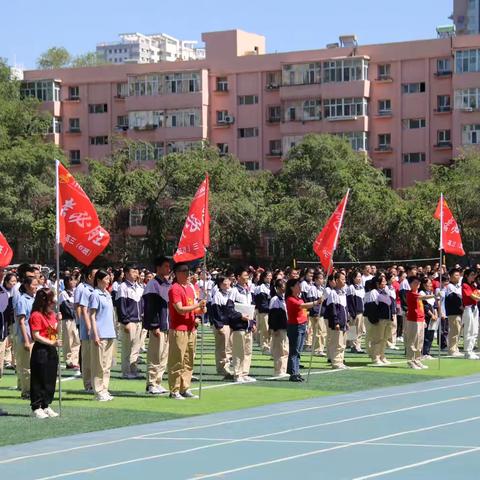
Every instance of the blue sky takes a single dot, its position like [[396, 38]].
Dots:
[[30, 27]]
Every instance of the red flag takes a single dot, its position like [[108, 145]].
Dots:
[[326, 242], [79, 229], [450, 239], [195, 236], [6, 252]]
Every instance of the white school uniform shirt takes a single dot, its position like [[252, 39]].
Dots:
[[442, 292], [366, 278]]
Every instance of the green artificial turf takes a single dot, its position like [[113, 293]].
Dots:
[[133, 406]]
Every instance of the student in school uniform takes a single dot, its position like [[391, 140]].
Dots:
[[156, 322], [398, 278], [319, 327], [411, 271], [307, 291], [4, 301], [355, 298], [242, 330], [262, 301], [337, 315], [371, 315], [100, 312], [10, 283], [440, 293], [470, 299], [454, 311], [390, 288], [431, 317], [70, 337], [277, 323]]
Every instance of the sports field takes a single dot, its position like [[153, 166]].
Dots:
[[133, 406]]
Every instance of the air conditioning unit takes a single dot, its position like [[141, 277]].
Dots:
[[229, 119], [276, 152], [273, 86], [467, 109]]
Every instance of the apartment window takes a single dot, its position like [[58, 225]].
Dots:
[[136, 217], [56, 125], [122, 90], [222, 148], [413, 157], [290, 141], [275, 147], [222, 84], [183, 82], [144, 120], [247, 99], [444, 66], [345, 70], [384, 71], [345, 107], [467, 99], [74, 125], [414, 123], [291, 114], [443, 138], [122, 121], [98, 108], [274, 114], [388, 175], [145, 85], [443, 103], [467, 60], [301, 73], [358, 140], [221, 114], [312, 110], [247, 132], [251, 166], [183, 118], [74, 93], [418, 87], [74, 156], [274, 79], [385, 107], [384, 141], [471, 134], [43, 90], [100, 140]]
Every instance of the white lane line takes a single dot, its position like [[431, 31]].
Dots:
[[246, 439], [415, 465], [242, 420], [338, 447]]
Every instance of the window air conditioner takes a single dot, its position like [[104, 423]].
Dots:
[[228, 119]]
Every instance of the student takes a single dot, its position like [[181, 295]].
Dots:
[[470, 299], [371, 315], [440, 293], [399, 276], [182, 334], [411, 271], [297, 320], [10, 284], [277, 323], [262, 302], [156, 321], [319, 327], [366, 274], [390, 288], [337, 315], [355, 298], [242, 330], [100, 312], [383, 329], [129, 305], [44, 360], [431, 317], [454, 311], [414, 327], [4, 300], [70, 337], [308, 292]]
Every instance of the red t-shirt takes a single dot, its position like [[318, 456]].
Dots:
[[295, 313], [467, 290], [46, 325], [396, 286], [415, 311], [186, 296]]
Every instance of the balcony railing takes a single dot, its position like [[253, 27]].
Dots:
[[384, 78], [444, 109], [384, 149], [444, 145], [275, 153], [443, 73]]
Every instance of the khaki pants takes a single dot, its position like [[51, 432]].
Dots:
[[337, 341], [181, 355], [454, 326], [279, 351], [223, 349], [241, 353], [131, 339], [86, 364], [23, 366], [359, 324], [143, 339], [392, 339], [413, 334], [368, 335], [71, 342], [380, 335], [318, 334], [9, 348], [3, 346], [263, 331], [157, 356], [101, 356]]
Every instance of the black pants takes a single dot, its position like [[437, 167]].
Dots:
[[399, 325], [43, 376], [427, 341]]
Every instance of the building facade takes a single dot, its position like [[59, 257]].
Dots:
[[466, 16], [408, 105], [139, 48]]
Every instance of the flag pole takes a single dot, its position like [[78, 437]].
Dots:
[[57, 282], [202, 333], [439, 339]]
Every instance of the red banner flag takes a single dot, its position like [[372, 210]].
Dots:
[[195, 236], [326, 242], [6, 252], [450, 239], [79, 229]]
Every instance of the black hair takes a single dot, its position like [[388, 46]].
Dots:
[[352, 275], [454, 270], [240, 270], [127, 268], [67, 282], [290, 284], [279, 282], [100, 275], [7, 278], [467, 272], [160, 260], [412, 278]]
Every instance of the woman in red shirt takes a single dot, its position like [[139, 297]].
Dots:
[[470, 298], [44, 359], [297, 320]]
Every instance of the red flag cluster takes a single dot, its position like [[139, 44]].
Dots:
[[450, 239], [6, 253], [195, 238], [81, 234], [326, 242]]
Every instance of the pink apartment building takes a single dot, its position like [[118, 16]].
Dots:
[[409, 105]]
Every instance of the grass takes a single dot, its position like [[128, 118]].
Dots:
[[133, 406]]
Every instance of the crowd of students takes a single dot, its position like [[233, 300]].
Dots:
[[286, 312]]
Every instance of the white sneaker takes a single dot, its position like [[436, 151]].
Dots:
[[400, 339], [103, 397], [239, 380], [39, 413], [188, 394], [385, 361], [471, 356], [421, 365], [394, 347], [176, 396], [427, 357], [281, 375], [377, 363], [457, 355], [152, 390], [51, 413], [248, 379], [414, 366]]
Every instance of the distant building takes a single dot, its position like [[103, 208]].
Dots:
[[466, 16], [139, 48]]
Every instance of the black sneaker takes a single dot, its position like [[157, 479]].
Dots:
[[295, 378], [228, 376]]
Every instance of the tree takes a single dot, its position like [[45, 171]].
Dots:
[[54, 57], [89, 59]]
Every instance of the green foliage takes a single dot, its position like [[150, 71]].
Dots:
[[89, 59], [54, 57]]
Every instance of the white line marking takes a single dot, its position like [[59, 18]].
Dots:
[[415, 465], [241, 420], [246, 439], [338, 447]]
